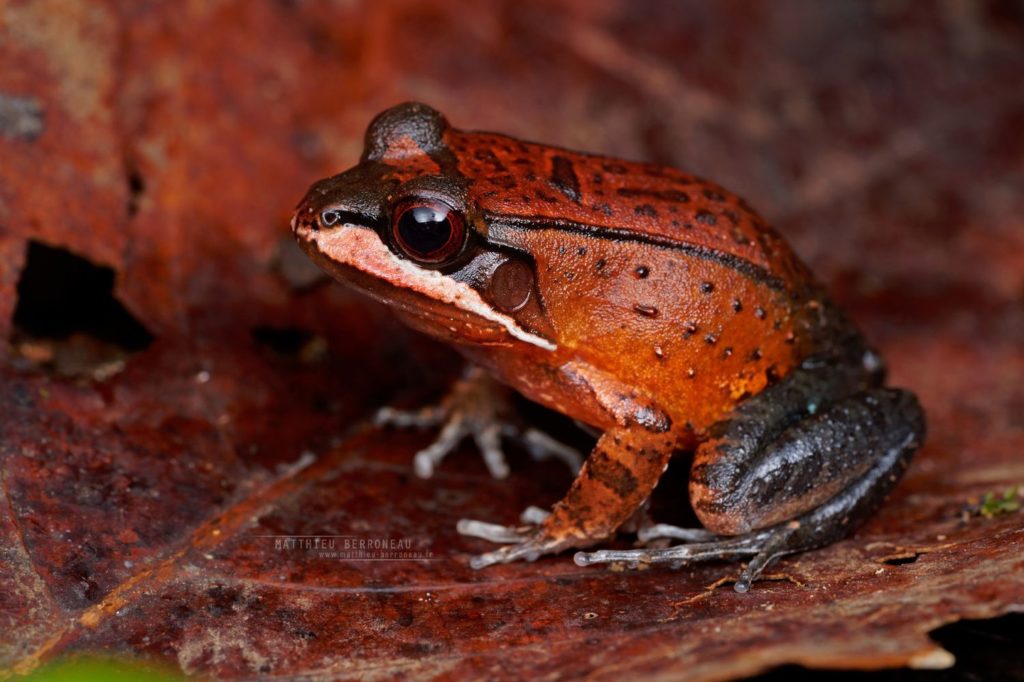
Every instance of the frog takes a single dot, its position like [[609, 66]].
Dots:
[[653, 307]]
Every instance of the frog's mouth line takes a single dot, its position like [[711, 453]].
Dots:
[[360, 249]]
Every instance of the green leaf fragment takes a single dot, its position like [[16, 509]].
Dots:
[[993, 504]]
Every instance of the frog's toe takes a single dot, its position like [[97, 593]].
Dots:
[[530, 519], [493, 532], [542, 446], [529, 548], [506, 554], [764, 546], [488, 439], [423, 418], [427, 459], [457, 427], [526, 542], [534, 515], [663, 530]]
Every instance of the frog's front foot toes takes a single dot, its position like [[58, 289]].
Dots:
[[528, 547], [530, 519], [763, 546], [487, 437], [423, 418], [527, 541], [479, 408]]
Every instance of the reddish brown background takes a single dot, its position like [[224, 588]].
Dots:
[[169, 142]]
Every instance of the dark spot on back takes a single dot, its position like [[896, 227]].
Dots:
[[642, 271], [645, 310], [706, 287], [645, 210], [706, 217], [490, 158], [505, 181], [563, 177], [739, 237]]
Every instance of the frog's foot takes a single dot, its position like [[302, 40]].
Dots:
[[480, 408], [527, 541], [764, 546]]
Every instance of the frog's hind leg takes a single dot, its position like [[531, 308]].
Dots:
[[777, 492]]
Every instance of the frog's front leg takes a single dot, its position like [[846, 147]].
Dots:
[[796, 467], [480, 407], [613, 483]]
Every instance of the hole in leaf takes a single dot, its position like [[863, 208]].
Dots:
[[291, 342], [983, 649], [901, 559], [136, 188], [67, 317]]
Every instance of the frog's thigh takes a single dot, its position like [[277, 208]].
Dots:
[[753, 475]]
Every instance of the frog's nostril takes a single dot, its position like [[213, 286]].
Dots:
[[303, 226]]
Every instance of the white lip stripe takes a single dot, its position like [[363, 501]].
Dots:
[[362, 249]]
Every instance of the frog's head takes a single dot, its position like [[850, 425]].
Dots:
[[398, 227]]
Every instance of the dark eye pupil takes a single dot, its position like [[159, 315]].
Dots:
[[425, 229]]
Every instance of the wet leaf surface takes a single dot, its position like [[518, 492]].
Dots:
[[146, 484]]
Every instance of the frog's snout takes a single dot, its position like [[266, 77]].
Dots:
[[304, 222]]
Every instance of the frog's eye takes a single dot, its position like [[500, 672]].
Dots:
[[430, 232], [330, 218]]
